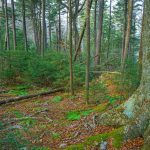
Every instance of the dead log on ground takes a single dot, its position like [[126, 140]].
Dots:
[[15, 99]]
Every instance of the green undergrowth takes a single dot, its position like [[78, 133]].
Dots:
[[40, 148], [18, 92], [113, 99], [57, 99], [76, 115], [116, 135], [55, 135], [101, 107]]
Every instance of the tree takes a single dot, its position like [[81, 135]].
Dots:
[[99, 32], [95, 18], [87, 77], [24, 25], [139, 103], [127, 34], [70, 47], [109, 30], [43, 42], [13, 23], [7, 40], [59, 27]]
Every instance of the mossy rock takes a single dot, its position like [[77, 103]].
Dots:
[[101, 107], [116, 134]]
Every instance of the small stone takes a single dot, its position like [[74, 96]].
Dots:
[[103, 145], [63, 145]]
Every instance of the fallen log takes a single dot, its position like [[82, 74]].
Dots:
[[19, 98], [3, 91]]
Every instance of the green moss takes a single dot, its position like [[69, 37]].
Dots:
[[101, 107], [76, 147], [116, 134]]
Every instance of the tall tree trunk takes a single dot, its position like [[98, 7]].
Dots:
[[7, 42], [95, 23], [50, 34], [141, 49], [76, 33], [13, 23], [138, 106], [43, 41], [70, 47], [125, 27], [87, 49], [99, 32], [24, 25], [128, 32], [59, 27], [109, 30], [81, 37]]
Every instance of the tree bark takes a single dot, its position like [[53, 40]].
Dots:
[[141, 49], [43, 40], [87, 77], [138, 106], [13, 23], [81, 37], [109, 30], [70, 47], [125, 27], [24, 25], [128, 32], [95, 22], [99, 32], [59, 27], [7, 40]]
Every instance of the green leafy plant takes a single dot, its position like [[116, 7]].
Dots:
[[114, 99], [57, 99], [55, 135], [18, 92], [76, 115], [40, 148]]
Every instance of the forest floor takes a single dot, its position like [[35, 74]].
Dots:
[[60, 121]]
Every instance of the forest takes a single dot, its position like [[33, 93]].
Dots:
[[75, 74]]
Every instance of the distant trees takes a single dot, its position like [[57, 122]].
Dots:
[[44, 25]]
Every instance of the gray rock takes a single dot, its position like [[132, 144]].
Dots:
[[63, 145], [103, 145]]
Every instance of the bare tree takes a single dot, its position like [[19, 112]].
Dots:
[[99, 32], [7, 41], [128, 32], [13, 23], [24, 25], [87, 49], [70, 47]]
